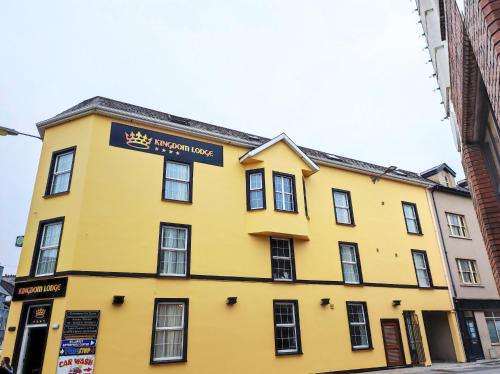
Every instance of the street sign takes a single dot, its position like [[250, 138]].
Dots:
[[19, 241]]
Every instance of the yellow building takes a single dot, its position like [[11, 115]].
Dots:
[[156, 243]]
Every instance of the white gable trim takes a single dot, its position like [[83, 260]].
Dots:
[[282, 137]]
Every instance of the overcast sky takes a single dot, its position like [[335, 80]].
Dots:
[[346, 77]]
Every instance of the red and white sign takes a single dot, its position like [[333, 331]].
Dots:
[[83, 364]]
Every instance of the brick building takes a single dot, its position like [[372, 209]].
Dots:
[[469, 31]]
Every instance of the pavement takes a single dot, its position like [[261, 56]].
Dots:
[[481, 366]]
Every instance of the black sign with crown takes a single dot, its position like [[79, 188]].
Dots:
[[170, 146]]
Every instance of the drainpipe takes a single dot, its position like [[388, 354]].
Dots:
[[443, 243]]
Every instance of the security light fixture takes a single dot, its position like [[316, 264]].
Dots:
[[231, 300], [396, 303], [118, 300], [4, 131], [325, 301], [375, 178]]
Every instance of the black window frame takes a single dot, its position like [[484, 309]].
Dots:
[[185, 335], [429, 273], [164, 181], [349, 201], [358, 264], [419, 226], [294, 192], [367, 323], [188, 249], [38, 242], [50, 177], [260, 171], [295, 303], [292, 259]]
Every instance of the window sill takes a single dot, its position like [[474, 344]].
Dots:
[[175, 276], [177, 201], [289, 353], [55, 195], [254, 209], [425, 288], [284, 280], [345, 224], [286, 211], [352, 284], [361, 349], [160, 362], [460, 237], [415, 233], [471, 285]]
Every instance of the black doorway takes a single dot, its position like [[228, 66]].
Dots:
[[36, 337]]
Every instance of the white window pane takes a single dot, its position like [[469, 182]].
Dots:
[[169, 315], [288, 202], [60, 183], [348, 253], [63, 162], [419, 260], [173, 262], [343, 215], [51, 235], [287, 185], [423, 278], [256, 199], [340, 199], [351, 273], [278, 182], [255, 181], [46, 261], [412, 225], [174, 237], [177, 171], [409, 211], [176, 190]]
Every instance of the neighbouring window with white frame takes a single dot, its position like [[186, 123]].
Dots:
[[49, 246], [174, 250], [284, 192], [282, 259], [350, 263], [256, 190], [421, 268], [411, 218], [177, 181], [61, 174], [358, 326], [457, 225], [493, 323], [343, 213], [468, 271], [169, 334], [286, 332]]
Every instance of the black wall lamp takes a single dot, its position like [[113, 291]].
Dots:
[[118, 300], [376, 178], [231, 300], [396, 303], [325, 301]]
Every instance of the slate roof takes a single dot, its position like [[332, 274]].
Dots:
[[109, 107]]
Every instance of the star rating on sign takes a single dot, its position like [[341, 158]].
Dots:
[[163, 150], [156, 148], [177, 153]]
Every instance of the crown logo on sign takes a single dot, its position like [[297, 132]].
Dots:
[[39, 312], [138, 140]]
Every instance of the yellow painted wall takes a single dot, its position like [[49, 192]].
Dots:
[[112, 217]]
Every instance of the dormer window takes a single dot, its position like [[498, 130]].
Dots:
[[285, 198], [446, 181]]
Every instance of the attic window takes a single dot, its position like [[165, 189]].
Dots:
[[400, 172], [253, 137], [332, 157]]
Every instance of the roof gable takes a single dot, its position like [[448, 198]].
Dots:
[[437, 169], [313, 168]]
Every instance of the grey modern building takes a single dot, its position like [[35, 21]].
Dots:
[[473, 287]]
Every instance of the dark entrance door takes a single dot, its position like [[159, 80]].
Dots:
[[472, 340], [36, 338], [414, 338], [392, 342]]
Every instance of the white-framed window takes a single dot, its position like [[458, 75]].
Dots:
[[173, 250], [256, 190], [177, 181], [350, 263], [49, 246], [282, 259], [456, 225], [411, 218], [61, 172], [468, 271], [493, 323], [358, 325], [170, 331], [342, 203], [421, 268], [284, 190], [286, 331]]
